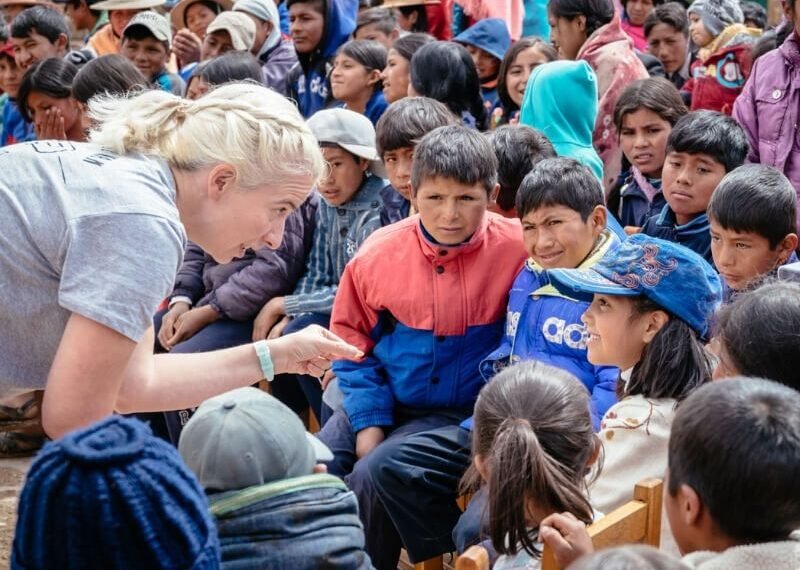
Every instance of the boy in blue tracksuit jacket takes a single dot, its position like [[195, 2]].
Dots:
[[316, 43]]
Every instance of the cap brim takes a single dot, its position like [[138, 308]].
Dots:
[[321, 451], [370, 153], [582, 284]]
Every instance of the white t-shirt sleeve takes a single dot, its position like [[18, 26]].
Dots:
[[118, 267]]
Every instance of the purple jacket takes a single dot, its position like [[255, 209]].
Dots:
[[769, 109], [276, 63], [238, 290]]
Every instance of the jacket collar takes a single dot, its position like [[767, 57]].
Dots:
[[433, 250], [367, 197], [696, 225]]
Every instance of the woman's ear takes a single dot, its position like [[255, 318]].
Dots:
[[221, 179], [655, 322]]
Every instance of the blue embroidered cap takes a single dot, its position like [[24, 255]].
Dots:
[[672, 276]]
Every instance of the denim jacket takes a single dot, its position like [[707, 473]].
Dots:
[[304, 523]]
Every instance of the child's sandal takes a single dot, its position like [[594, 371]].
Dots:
[[28, 414]]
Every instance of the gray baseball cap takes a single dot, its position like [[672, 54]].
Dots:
[[246, 437], [155, 23], [350, 130]]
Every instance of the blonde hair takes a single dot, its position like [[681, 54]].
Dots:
[[252, 128]]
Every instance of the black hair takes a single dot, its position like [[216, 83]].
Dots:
[[672, 14], [759, 332], [3, 33], [533, 430], [560, 182], [655, 3], [455, 152], [406, 121], [736, 443], [765, 44], [598, 13], [407, 46], [44, 21], [518, 149], [756, 13], [445, 71], [318, 5], [107, 75], [508, 60], [672, 364], [52, 77], [629, 557], [758, 199], [381, 18], [421, 25], [139, 32], [708, 132], [232, 66], [655, 94], [213, 6], [369, 53]]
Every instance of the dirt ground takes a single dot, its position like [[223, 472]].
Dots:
[[12, 476]]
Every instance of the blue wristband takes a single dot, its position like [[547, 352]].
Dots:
[[264, 358]]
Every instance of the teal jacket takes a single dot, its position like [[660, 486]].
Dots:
[[561, 102]]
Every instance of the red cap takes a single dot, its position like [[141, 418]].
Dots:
[[7, 49]]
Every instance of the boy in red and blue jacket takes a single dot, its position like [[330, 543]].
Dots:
[[425, 300]]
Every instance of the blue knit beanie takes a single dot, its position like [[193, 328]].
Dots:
[[113, 497]]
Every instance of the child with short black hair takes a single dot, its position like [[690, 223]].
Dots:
[[147, 42], [752, 217], [14, 128], [487, 42], [356, 78], [731, 485], [38, 33], [702, 147], [399, 130], [377, 24], [756, 335], [518, 149], [667, 33]]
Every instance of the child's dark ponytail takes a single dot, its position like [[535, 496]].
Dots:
[[519, 469], [533, 433]]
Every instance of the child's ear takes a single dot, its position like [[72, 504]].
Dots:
[[480, 464], [364, 164], [598, 220], [494, 194], [655, 322], [598, 448], [787, 246], [374, 76], [581, 22], [690, 506], [62, 42]]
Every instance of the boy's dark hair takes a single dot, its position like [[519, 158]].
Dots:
[[760, 332], [232, 66], [382, 18], [52, 77], [756, 13], [518, 149], [598, 13], [107, 75], [672, 365], [508, 59], [421, 24], [445, 71], [318, 5], [736, 443], [655, 94], [406, 121], [369, 53], [408, 45], [672, 14], [455, 152], [708, 132], [41, 20], [629, 557], [533, 429], [758, 199], [560, 182]]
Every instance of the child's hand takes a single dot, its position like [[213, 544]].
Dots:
[[327, 378], [168, 322], [632, 230], [267, 317], [279, 327], [190, 323], [367, 440], [187, 47], [50, 125], [566, 536]]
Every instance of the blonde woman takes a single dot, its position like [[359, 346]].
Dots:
[[93, 234]]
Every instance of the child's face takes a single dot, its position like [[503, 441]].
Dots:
[[687, 181], [697, 31], [33, 49], [149, 55], [519, 72], [119, 20], [395, 77], [10, 76], [669, 45], [486, 64], [557, 237], [197, 88], [344, 177], [449, 210], [638, 10], [39, 104], [742, 257], [723, 367], [643, 138], [351, 81], [216, 43], [198, 16], [616, 335], [306, 26], [371, 32], [398, 169], [80, 15], [567, 35]]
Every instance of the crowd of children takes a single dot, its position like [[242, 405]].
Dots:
[[567, 264]]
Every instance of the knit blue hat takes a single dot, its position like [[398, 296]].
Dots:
[[113, 497]]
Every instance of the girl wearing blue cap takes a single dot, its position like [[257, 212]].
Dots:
[[650, 305]]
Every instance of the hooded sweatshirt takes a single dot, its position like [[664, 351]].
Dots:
[[308, 80], [15, 128], [490, 35], [567, 120]]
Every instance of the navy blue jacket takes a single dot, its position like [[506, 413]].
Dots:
[[634, 209], [695, 235]]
